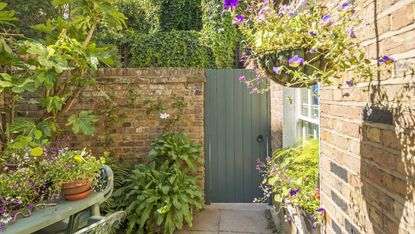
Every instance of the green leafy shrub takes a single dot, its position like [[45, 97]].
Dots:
[[291, 177], [162, 195], [168, 49], [149, 16], [219, 34]]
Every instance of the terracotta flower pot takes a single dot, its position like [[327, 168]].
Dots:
[[82, 188], [79, 196], [268, 61]]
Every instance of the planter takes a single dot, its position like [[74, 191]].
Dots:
[[268, 61], [76, 190]]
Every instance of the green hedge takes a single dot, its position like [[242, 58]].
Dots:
[[219, 34], [148, 16], [168, 49]]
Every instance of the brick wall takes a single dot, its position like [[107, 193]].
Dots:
[[276, 95], [124, 128], [368, 132]]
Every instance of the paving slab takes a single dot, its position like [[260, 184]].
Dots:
[[230, 218]]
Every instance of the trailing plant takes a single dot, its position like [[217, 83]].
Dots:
[[162, 195], [185, 49], [291, 177], [54, 70], [302, 42]]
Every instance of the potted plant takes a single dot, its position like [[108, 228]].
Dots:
[[74, 172], [299, 43]]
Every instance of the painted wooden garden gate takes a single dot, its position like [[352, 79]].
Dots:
[[237, 133]]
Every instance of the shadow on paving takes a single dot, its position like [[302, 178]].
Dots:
[[231, 218]]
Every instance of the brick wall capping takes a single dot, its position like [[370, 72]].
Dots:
[[163, 74]]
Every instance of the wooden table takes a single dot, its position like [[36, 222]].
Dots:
[[45, 217]]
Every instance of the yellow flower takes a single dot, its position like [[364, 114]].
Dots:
[[36, 152], [102, 160], [79, 158]]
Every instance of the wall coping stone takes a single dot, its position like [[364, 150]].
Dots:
[[151, 75]]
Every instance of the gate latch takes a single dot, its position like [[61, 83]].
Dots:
[[260, 139]]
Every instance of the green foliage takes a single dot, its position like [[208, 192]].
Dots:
[[31, 13], [54, 68], [219, 34], [162, 195], [176, 148], [148, 16], [83, 123], [169, 49], [291, 177]]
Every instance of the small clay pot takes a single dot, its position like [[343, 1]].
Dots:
[[75, 188], [79, 196]]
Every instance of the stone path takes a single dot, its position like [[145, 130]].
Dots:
[[227, 218]]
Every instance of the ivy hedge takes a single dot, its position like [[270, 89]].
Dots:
[[148, 16], [168, 49]]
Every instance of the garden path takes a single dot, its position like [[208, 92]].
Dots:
[[228, 218]]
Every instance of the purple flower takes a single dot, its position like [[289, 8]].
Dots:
[[326, 18], [293, 192], [241, 78], [30, 206], [312, 32], [321, 210], [387, 60], [238, 19], [313, 50], [230, 3], [253, 90], [349, 83], [345, 7], [276, 70], [350, 32], [250, 8], [296, 61]]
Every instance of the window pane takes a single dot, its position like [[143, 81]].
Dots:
[[304, 102], [309, 130]]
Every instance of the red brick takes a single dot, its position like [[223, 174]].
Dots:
[[403, 17]]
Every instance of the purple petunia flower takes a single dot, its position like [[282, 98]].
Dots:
[[325, 18], [241, 78], [349, 83], [345, 7], [350, 32], [276, 70], [293, 192], [313, 50], [312, 32], [295, 61], [230, 3], [321, 210], [387, 60], [30, 206], [238, 19]]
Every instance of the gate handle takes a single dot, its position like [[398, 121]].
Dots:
[[260, 138]]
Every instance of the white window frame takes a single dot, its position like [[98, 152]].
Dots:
[[293, 127]]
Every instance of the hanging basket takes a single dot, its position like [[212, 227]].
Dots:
[[268, 61]]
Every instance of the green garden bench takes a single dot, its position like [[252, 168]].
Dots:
[[51, 219]]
